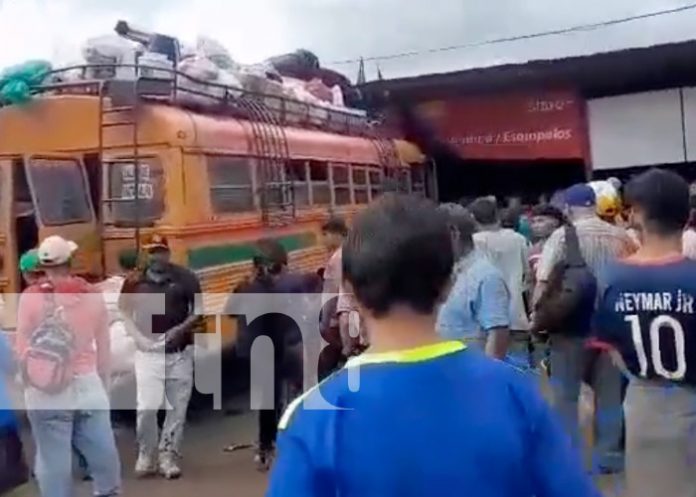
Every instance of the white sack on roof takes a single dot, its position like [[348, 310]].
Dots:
[[203, 71], [232, 81], [109, 49], [186, 51], [216, 53], [199, 67], [338, 99], [192, 87]]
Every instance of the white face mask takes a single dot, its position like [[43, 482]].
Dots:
[[156, 274]]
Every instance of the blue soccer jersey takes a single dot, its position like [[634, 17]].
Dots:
[[646, 313], [439, 420]]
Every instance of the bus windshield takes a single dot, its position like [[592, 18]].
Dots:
[[60, 190]]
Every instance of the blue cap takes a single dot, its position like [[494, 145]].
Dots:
[[580, 195]]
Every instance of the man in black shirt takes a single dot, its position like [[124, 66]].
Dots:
[[161, 306], [272, 277]]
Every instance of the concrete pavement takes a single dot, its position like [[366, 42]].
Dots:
[[211, 472]]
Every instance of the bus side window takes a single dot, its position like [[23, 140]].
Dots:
[[231, 184], [297, 171], [376, 183], [418, 179], [319, 177], [404, 178], [122, 186], [341, 185], [361, 189]]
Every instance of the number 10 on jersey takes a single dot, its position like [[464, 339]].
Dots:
[[660, 327]]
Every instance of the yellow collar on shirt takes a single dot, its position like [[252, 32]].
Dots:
[[410, 356], [419, 354]]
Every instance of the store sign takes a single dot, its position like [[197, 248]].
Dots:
[[512, 126]]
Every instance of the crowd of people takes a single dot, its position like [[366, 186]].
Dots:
[[591, 290], [452, 313]]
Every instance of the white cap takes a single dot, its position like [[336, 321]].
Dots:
[[56, 251], [615, 182]]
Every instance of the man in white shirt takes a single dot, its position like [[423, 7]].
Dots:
[[509, 252]]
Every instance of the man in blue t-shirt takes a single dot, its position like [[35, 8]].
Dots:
[[647, 319], [428, 417], [477, 309]]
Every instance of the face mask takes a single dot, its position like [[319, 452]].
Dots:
[[157, 262], [156, 265], [155, 275]]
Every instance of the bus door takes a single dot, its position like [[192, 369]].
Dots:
[[8, 257], [63, 206]]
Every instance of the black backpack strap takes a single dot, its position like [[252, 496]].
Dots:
[[573, 255]]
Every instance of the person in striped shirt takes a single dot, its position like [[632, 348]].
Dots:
[[600, 244], [545, 220]]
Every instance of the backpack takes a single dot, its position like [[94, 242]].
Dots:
[[47, 363], [570, 294]]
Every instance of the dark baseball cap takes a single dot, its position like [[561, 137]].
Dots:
[[580, 195]]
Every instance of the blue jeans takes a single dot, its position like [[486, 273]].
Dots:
[[56, 428], [81, 463], [570, 366]]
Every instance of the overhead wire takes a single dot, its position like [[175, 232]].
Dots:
[[529, 36]]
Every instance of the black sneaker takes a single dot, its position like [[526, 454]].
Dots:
[[264, 459]]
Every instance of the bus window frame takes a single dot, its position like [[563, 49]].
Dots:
[[404, 174], [362, 187], [253, 187], [306, 184], [419, 188], [29, 163], [111, 201], [372, 188], [320, 183], [272, 188], [432, 186], [341, 186]]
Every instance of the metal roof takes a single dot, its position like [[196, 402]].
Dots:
[[600, 74]]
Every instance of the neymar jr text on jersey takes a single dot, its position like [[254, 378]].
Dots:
[[676, 301]]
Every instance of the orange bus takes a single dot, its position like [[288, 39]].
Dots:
[[106, 162]]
